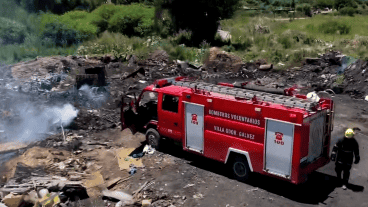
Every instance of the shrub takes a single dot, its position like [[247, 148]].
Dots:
[[333, 27], [324, 3], [363, 6], [347, 11], [80, 21], [69, 28], [286, 42], [340, 79], [135, 19], [60, 34], [11, 31], [182, 37], [102, 16], [305, 8]]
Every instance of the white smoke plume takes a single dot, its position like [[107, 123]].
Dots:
[[30, 112]]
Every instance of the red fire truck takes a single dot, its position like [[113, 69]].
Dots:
[[286, 136]]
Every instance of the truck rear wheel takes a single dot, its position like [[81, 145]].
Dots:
[[153, 138], [240, 168]]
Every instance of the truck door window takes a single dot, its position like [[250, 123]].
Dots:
[[147, 97], [170, 103]]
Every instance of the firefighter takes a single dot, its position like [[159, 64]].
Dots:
[[343, 153]]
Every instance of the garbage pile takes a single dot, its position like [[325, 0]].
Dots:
[[53, 177]]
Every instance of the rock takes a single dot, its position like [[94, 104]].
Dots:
[[313, 61], [265, 67], [146, 203], [132, 61]]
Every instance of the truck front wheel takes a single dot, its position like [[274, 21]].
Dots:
[[240, 168], [153, 138]]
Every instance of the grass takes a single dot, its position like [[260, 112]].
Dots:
[[358, 23], [120, 46], [10, 54], [289, 42]]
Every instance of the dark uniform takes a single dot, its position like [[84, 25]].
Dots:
[[345, 149]]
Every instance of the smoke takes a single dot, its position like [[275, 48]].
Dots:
[[346, 61], [31, 111]]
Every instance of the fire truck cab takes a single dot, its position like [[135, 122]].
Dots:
[[284, 136]]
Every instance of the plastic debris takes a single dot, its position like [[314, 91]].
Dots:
[[148, 149], [132, 170], [43, 192], [189, 185], [119, 195], [146, 203], [137, 155]]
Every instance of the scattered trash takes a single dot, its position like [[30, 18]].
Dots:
[[119, 195], [95, 181], [189, 185], [148, 149], [124, 164], [265, 67], [43, 192], [146, 203], [198, 196], [139, 155], [144, 186], [132, 170], [50, 200], [366, 98], [12, 200]]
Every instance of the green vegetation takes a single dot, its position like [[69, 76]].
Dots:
[[126, 27], [340, 79], [120, 46]]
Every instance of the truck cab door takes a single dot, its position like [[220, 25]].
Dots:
[[169, 116]]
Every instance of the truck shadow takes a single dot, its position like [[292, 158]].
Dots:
[[316, 190]]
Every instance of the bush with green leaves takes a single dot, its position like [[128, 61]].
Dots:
[[132, 20], [70, 28], [305, 8], [102, 16], [339, 4], [347, 11], [324, 3], [334, 27], [11, 31]]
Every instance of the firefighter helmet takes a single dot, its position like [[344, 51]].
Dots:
[[313, 96], [349, 133]]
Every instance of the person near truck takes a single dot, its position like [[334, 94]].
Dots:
[[343, 153]]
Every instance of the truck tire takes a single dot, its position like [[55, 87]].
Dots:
[[240, 168], [153, 138]]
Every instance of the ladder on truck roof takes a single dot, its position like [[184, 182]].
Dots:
[[288, 101]]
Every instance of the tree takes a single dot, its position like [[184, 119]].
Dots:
[[199, 16], [344, 3]]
